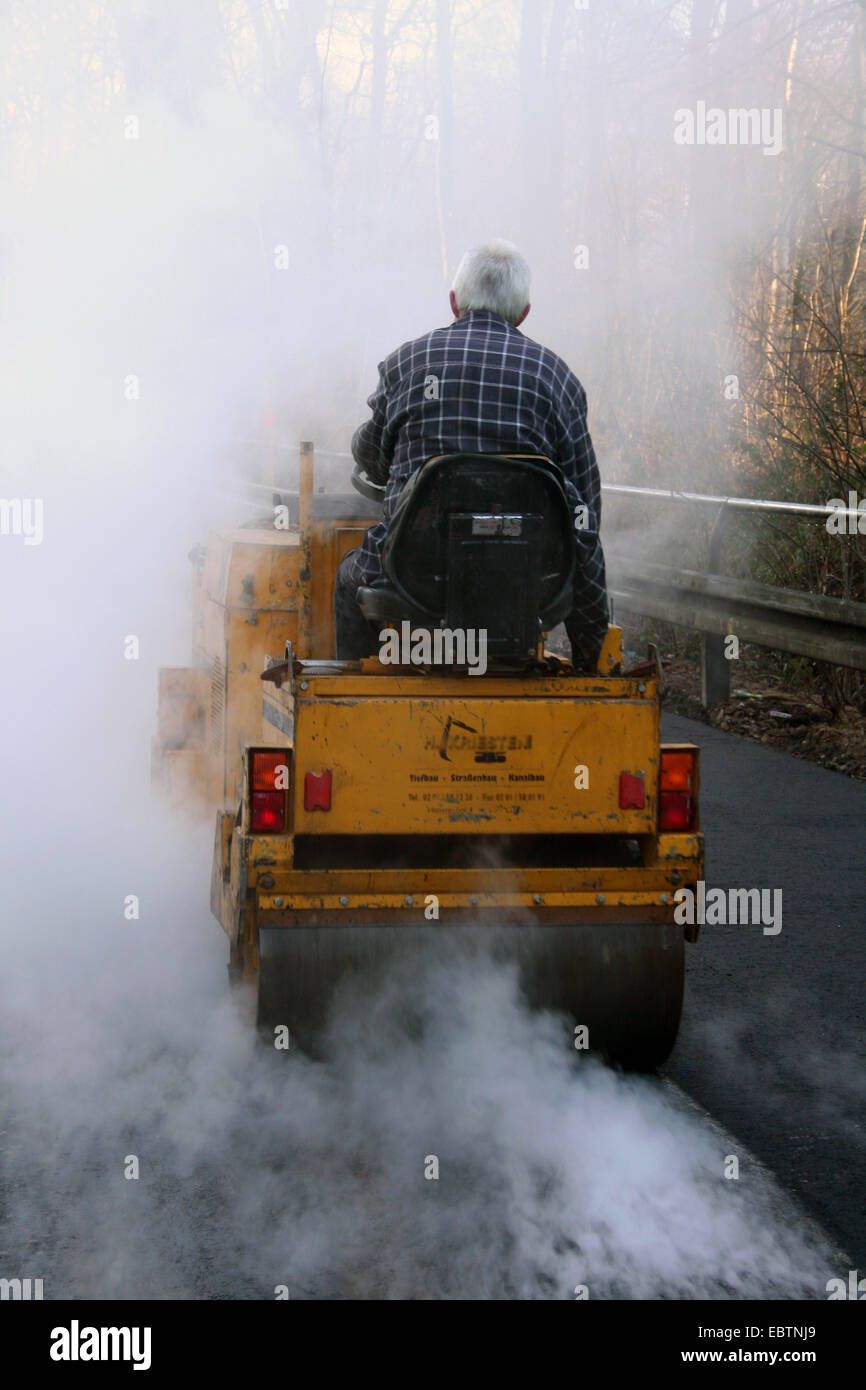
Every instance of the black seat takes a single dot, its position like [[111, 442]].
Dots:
[[479, 541]]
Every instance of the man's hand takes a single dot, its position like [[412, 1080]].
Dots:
[[365, 457]]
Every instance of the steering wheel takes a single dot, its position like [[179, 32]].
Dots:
[[365, 485]]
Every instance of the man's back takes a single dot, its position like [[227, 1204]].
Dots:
[[477, 386]]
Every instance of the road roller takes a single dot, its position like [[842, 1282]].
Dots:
[[466, 791]]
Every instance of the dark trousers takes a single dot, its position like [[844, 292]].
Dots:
[[355, 636], [585, 649]]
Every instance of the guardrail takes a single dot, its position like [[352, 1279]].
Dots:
[[789, 620]]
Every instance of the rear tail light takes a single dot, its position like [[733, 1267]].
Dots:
[[677, 771], [269, 791], [268, 812], [269, 771], [676, 811], [677, 789]]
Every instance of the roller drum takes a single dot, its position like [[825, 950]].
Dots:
[[623, 981]]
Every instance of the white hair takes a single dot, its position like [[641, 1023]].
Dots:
[[495, 277]]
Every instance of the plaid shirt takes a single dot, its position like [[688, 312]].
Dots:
[[481, 386]]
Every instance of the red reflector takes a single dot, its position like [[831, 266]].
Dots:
[[676, 811], [317, 791], [268, 811], [632, 793]]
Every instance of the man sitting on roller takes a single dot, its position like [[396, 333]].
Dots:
[[478, 386]]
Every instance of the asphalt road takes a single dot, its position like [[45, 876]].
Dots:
[[772, 1041]]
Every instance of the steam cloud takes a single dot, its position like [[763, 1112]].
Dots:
[[117, 1037], [260, 1168]]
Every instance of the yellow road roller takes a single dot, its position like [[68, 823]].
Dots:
[[465, 790]]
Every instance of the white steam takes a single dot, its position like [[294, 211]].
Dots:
[[260, 1168], [146, 332]]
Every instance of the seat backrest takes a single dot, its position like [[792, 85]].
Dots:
[[485, 541]]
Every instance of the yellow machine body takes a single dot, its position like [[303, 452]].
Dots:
[[454, 799], [249, 599]]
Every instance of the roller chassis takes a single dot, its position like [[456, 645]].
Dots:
[[459, 820]]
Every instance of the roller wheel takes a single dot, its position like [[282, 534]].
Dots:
[[623, 981]]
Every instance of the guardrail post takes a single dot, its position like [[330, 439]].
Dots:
[[305, 575], [715, 668]]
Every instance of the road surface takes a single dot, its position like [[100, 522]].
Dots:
[[772, 1042]]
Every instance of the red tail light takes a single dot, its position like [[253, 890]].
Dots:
[[269, 784], [268, 812], [676, 811], [677, 789]]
